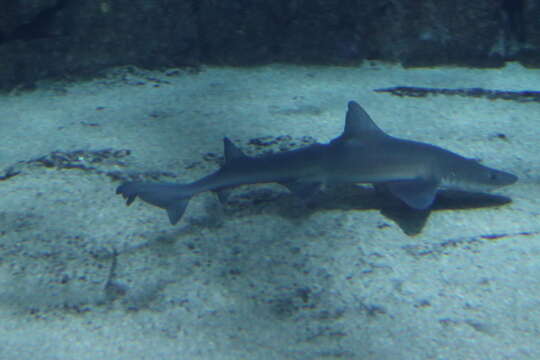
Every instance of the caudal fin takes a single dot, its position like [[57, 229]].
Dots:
[[172, 197]]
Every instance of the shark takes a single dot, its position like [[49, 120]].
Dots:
[[411, 171]]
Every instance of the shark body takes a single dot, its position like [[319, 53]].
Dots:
[[412, 171]]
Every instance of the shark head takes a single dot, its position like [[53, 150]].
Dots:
[[473, 176]]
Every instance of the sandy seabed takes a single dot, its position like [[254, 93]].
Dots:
[[85, 277]]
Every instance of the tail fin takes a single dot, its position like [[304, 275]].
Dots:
[[172, 197]]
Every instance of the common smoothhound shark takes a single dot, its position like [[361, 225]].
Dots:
[[412, 171]]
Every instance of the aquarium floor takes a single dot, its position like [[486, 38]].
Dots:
[[350, 277]]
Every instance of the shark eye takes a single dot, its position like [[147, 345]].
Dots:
[[492, 176]]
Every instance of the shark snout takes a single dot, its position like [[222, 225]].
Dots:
[[502, 178], [478, 178]]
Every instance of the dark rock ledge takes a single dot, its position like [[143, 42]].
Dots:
[[61, 38]]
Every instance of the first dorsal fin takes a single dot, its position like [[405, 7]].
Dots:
[[232, 152], [358, 124]]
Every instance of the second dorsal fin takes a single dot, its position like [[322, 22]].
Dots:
[[232, 152]]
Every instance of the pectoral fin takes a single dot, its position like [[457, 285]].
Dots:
[[418, 194]]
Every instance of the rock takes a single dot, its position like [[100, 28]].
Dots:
[[83, 37], [55, 38], [530, 52]]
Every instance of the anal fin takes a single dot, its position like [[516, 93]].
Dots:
[[176, 210], [302, 189], [223, 194]]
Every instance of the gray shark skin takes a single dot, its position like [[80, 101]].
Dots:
[[412, 171]]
